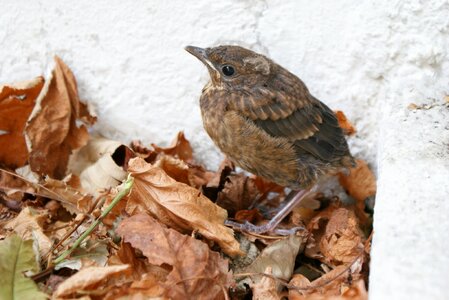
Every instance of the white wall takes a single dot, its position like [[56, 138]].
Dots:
[[128, 58]]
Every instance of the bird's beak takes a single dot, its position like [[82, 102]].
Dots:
[[201, 54], [198, 52]]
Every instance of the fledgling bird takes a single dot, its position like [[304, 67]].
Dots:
[[266, 121]]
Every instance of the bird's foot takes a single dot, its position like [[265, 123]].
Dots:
[[267, 228]]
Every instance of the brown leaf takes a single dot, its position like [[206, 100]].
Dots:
[[59, 106], [343, 240], [336, 289], [180, 148], [89, 279], [178, 205], [75, 200], [139, 265], [200, 177], [14, 187], [16, 103], [29, 225], [174, 167], [279, 256], [266, 288], [197, 272], [360, 183], [344, 123], [215, 182], [239, 193], [252, 216], [265, 186], [335, 237]]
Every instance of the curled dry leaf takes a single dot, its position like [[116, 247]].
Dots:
[[28, 224], [197, 272], [180, 148], [178, 205], [89, 279], [96, 164], [239, 192], [360, 183], [344, 123], [336, 237], [16, 103], [58, 104]]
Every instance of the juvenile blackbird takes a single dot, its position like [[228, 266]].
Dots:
[[266, 121]]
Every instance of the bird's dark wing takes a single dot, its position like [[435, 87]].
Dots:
[[296, 115]]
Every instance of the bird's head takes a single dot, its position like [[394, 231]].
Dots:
[[234, 66]]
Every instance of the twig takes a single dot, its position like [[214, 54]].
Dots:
[[126, 189], [78, 224]]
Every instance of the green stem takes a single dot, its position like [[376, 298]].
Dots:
[[125, 190]]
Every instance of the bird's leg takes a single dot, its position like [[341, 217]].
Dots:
[[293, 199]]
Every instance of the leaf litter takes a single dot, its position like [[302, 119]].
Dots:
[[79, 232]]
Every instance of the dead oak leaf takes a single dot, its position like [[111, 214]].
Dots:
[[197, 272], [180, 148], [360, 183], [178, 205], [16, 103], [89, 279], [344, 123], [52, 130]]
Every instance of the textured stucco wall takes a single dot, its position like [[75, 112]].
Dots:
[[367, 58]]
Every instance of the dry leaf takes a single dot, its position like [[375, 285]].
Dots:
[[58, 104], [216, 182], [197, 272], [239, 193], [96, 166], [88, 279], [331, 286], [360, 183], [14, 187], [180, 148], [343, 239], [279, 256], [28, 225], [16, 103], [336, 237], [178, 205], [344, 123], [252, 216], [174, 167], [266, 288], [71, 197]]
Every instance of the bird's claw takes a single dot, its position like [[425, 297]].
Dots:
[[251, 228]]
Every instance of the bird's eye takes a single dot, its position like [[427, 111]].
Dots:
[[228, 70]]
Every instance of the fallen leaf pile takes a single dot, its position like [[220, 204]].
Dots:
[[84, 217]]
